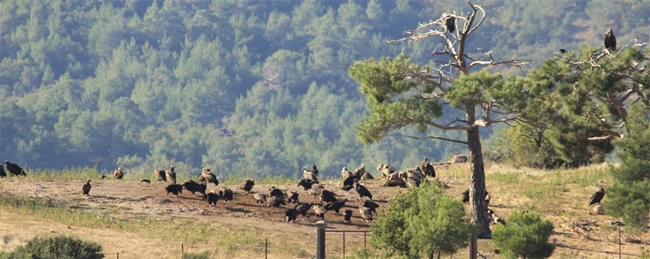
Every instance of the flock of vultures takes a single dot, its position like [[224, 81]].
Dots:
[[367, 207]]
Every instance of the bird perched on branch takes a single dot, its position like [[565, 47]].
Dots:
[[610, 40], [450, 22]]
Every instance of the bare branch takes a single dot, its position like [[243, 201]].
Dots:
[[475, 7], [440, 138], [449, 126], [492, 62], [610, 134]]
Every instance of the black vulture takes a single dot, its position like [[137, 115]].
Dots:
[[2, 171], [327, 196], [174, 188], [306, 184], [348, 183], [86, 187], [213, 198], [275, 192], [562, 51], [171, 175], [371, 205], [361, 190], [226, 194], [102, 177], [118, 174], [347, 216], [314, 169], [291, 215], [195, 187], [14, 168], [259, 198], [428, 169], [292, 197], [610, 40], [145, 181], [247, 185], [598, 196], [450, 22], [335, 206], [276, 201], [303, 208]]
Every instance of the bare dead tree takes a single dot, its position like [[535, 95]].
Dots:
[[453, 61]]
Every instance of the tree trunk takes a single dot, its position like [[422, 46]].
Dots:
[[477, 190]]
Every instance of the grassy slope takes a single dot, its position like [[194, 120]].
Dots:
[[560, 195]]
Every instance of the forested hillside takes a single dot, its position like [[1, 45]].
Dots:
[[242, 87]]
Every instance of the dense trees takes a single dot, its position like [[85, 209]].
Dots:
[[245, 87]]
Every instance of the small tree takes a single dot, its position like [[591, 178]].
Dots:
[[525, 235], [422, 223], [629, 197], [58, 247]]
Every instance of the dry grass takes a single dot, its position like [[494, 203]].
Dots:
[[559, 195]]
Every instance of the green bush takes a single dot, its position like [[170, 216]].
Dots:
[[523, 145], [525, 235], [629, 196], [204, 255], [422, 223], [57, 247]]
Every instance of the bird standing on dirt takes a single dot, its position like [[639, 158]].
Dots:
[[86, 187], [14, 168], [2, 172], [171, 175], [362, 191], [118, 174], [597, 196], [247, 185], [291, 215], [347, 216]]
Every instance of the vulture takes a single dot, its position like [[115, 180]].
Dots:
[[174, 188], [226, 194], [171, 175], [247, 185], [309, 175], [348, 183], [100, 177], [292, 197], [319, 211], [366, 213], [610, 40], [428, 168], [259, 198], [86, 187], [327, 196], [213, 198], [145, 181], [276, 201], [562, 51], [159, 175], [291, 215], [466, 197], [347, 216], [361, 190], [314, 169], [345, 173], [335, 206], [306, 184], [195, 187], [14, 168], [303, 208], [315, 189], [2, 171], [275, 192], [208, 176], [450, 22], [371, 205], [598, 196], [118, 174]]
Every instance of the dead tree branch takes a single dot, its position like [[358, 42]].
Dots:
[[440, 138]]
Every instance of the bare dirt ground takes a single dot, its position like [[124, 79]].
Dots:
[[130, 199]]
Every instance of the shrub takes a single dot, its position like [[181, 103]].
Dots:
[[58, 247], [204, 255], [422, 223], [525, 235]]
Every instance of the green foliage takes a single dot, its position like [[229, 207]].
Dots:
[[421, 223], [57, 247], [523, 145], [629, 196], [204, 255], [525, 235]]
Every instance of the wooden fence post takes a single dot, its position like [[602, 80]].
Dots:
[[320, 239]]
